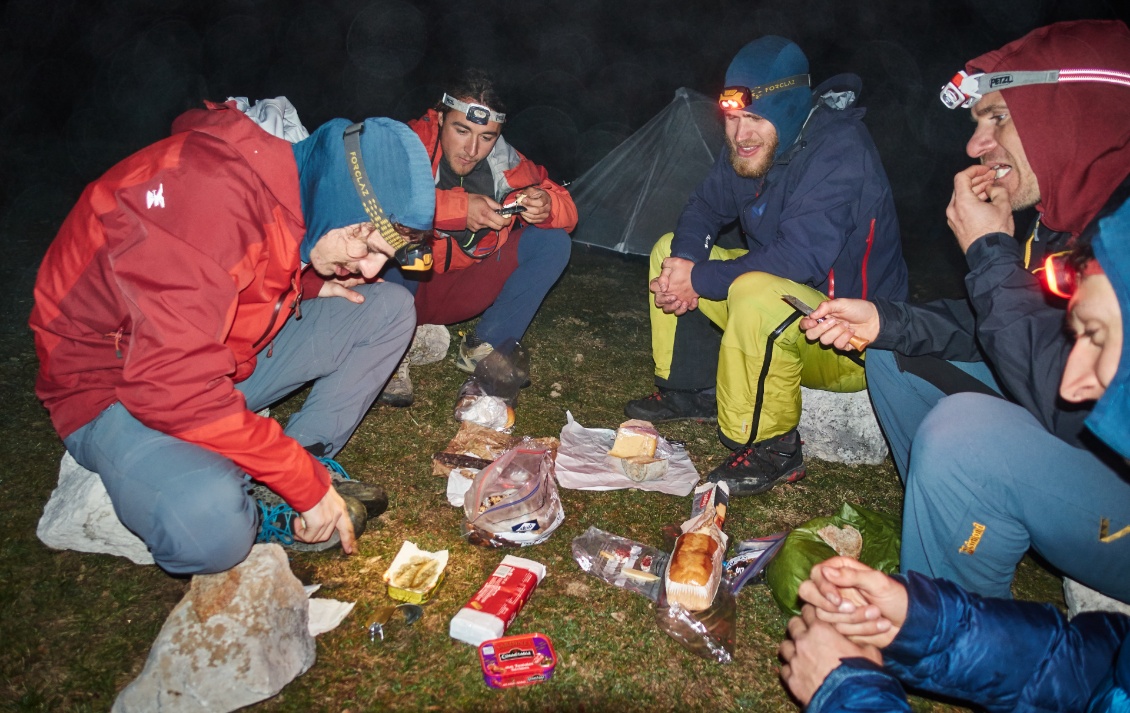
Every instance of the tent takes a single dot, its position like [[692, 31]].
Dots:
[[634, 195]]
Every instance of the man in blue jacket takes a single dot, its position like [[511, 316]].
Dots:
[[804, 179]]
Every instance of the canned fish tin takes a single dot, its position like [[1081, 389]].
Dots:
[[519, 660]]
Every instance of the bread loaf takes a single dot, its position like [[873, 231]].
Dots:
[[693, 560]]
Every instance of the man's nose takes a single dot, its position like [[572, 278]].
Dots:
[[982, 141]]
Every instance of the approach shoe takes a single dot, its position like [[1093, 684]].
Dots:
[[667, 405], [276, 521], [758, 467], [470, 356], [398, 391], [373, 497]]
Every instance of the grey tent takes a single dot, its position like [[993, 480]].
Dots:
[[634, 195]]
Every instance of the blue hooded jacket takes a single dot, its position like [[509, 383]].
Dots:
[[1110, 418]]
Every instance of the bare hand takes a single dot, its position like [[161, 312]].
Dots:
[[343, 287], [978, 207], [813, 650], [672, 288], [482, 213], [835, 322], [863, 604], [537, 203], [319, 522]]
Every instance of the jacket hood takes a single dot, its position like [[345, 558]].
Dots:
[[769, 59], [1076, 135], [397, 165], [1110, 419]]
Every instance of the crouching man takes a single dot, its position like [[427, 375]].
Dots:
[[206, 277]]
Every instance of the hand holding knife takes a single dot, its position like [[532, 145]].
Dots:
[[856, 341]]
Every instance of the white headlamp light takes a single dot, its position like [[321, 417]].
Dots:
[[476, 113], [965, 89]]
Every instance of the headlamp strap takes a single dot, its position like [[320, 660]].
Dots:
[[741, 97], [966, 89], [365, 189], [476, 113]]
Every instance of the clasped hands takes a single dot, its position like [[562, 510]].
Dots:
[[851, 611], [673, 291]]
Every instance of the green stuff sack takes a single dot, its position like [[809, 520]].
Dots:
[[803, 549]]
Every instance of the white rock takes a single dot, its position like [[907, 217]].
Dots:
[[1080, 599], [841, 428], [79, 516], [235, 639], [429, 345]]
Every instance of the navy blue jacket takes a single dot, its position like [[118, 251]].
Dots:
[[999, 654], [823, 216]]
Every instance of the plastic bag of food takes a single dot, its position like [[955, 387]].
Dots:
[[488, 398], [621, 562], [870, 537], [709, 633], [513, 502]]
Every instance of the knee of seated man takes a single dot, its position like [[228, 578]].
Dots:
[[550, 244], [957, 430], [757, 286], [662, 247], [206, 534]]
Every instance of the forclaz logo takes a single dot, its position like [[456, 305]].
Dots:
[[516, 654], [1001, 81], [355, 163], [970, 546]]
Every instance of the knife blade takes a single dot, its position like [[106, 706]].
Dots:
[[800, 306]]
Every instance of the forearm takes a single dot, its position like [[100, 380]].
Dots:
[[858, 686], [942, 328]]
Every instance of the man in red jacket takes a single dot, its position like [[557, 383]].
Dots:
[[488, 260], [189, 288]]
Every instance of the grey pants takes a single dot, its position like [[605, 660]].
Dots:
[[191, 505]]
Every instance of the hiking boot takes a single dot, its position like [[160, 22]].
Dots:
[[470, 356], [398, 391], [760, 466], [276, 521], [667, 405], [373, 497]]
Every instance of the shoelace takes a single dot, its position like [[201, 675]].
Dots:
[[269, 530], [333, 466], [740, 458]]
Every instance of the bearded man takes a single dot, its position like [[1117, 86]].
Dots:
[[803, 179]]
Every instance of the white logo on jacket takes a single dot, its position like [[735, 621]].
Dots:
[[156, 198]]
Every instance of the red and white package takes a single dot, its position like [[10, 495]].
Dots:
[[498, 602]]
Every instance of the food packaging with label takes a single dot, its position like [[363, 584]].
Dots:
[[517, 660], [498, 602]]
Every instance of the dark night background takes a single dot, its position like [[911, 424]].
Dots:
[[85, 83]]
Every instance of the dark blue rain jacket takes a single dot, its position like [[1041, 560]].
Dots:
[[999, 654], [823, 216]]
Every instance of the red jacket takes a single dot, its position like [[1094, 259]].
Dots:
[[511, 172], [173, 271]]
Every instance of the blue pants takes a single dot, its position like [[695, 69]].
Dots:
[[985, 482], [506, 288], [191, 505]]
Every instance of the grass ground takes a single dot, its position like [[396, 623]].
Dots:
[[76, 628]]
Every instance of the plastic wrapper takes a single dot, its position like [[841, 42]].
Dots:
[[488, 398], [748, 564], [709, 633], [804, 548], [513, 502]]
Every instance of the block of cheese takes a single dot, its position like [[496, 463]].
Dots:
[[635, 439]]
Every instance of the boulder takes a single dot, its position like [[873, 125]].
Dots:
[[841, 428], [235, 639], [429, 345], [79, 516], [1080, 599]]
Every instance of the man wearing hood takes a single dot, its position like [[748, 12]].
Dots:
[[988, 478], [804, 179], [191, 286]]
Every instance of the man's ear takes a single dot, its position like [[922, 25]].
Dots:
[[439, 119]]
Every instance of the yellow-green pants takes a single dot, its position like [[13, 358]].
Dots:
[[749, 314]]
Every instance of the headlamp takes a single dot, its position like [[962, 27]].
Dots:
[[741, 97], [1060, 275], [965, 89], [411, 256], [476, 113]]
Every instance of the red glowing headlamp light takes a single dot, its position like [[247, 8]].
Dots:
[[734, 98], [1060, 275]]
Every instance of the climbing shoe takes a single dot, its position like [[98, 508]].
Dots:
[[758, 467], [277, 519], [667, 405], [373, 497]]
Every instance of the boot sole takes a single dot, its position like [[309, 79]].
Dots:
[[395, 401], [740, 488]]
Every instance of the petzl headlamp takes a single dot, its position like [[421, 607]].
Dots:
[[741, 97], [411, 256], [1059, 275], [965, 89], [476, 113]]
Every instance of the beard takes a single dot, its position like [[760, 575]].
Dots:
[[752, 167]]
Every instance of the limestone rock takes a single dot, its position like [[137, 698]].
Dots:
[[79, 516], [429, 345], [1080, 599], [235, 639], [841, 428]]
